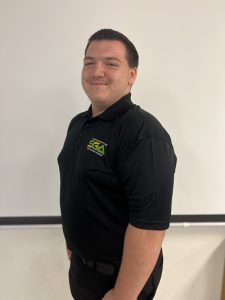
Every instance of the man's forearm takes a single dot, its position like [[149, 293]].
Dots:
[[140, 254]]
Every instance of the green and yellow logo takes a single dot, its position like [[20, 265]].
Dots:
[[97, 146]]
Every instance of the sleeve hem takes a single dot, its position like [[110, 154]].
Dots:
[[150, 226]]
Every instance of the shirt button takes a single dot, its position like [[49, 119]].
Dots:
[[87, 125]]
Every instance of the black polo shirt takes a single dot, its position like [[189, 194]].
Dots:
[[116, 168]]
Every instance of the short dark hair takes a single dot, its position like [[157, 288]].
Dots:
[[110, 34]]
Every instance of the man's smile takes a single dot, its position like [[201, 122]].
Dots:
[[98, 83]]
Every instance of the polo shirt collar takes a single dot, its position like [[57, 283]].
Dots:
[[119, 107]]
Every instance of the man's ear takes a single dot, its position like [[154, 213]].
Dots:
[[133, 75]]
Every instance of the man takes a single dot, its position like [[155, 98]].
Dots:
[[117, 167]]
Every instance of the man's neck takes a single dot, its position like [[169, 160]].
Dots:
[[99, 108], [96, 111]]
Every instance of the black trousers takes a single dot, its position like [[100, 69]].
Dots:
[[88, 284]]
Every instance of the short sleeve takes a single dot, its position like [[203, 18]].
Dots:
[[146, 172]]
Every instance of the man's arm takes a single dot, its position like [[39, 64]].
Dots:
[[140, 254]]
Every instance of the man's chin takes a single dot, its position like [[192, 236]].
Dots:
[[99, 97]]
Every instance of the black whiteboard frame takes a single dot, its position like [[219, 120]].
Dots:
[[56, 220]]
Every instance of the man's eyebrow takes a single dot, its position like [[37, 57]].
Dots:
[[104, 58], [113, 58], [88, 57]]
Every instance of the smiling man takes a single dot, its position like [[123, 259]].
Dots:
[[116, 168]]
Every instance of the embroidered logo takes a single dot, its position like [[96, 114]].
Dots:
[[97, 146]]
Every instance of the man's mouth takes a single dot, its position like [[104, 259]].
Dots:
[[98, 83]]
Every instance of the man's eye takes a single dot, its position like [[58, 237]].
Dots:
[[88, 63], [112, 64]]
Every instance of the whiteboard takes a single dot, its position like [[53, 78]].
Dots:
[[181, 80]]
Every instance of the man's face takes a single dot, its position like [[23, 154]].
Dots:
[[106, 75]]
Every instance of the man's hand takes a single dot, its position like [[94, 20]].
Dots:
[[109, 295], [69, 253]]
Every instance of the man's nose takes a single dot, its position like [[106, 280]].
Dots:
[[98, 70]]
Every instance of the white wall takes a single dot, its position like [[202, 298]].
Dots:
[[194, 264], [181, 81], [34, 265]]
